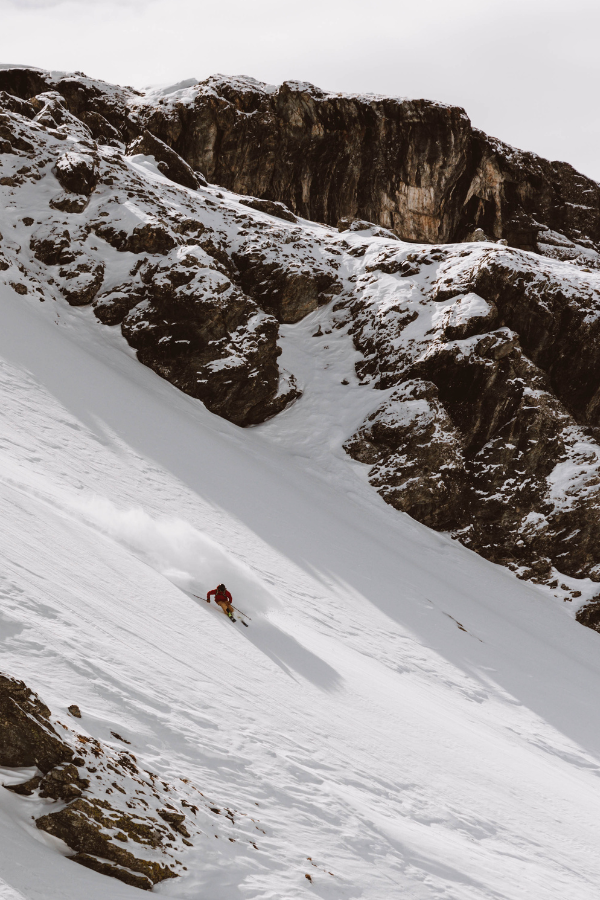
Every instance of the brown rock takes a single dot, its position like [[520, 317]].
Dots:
[[416, 454], [169, 162], [82, 280], [80, 825], [175, 820], [153, 238], [416, 167], [72, 203], [50, 244], [271, 207], [63, 783], [26, 736], [26, 788], [105, 868], [77, 172], [285, 292]]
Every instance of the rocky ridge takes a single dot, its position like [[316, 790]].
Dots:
[[119, 819], [483, 358], [416, 167]]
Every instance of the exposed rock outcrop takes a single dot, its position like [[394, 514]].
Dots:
[[413, 166], [169, 162], [27, 737], [119, 819], [490, 441]]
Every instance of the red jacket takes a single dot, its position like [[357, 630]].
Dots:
[[219, 596]]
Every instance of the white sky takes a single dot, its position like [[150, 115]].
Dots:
[[526, 71]]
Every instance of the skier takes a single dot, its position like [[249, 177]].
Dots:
[[223, 599]]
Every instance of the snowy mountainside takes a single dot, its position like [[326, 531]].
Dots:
[[409, 716], [493, 350], [401, 717]]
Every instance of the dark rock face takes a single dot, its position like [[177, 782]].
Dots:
[[81, 826], [487, 444], [102, 107], [589, 615], [169, 162], [412, 166], [51, 245], [27, 737], [289, 292], [271, 207], [77, 173], [202, 334], [106, 868], [416, 454]]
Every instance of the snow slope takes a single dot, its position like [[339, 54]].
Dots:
[[402, 718]]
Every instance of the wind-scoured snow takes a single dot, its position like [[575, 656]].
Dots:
[[402, 718]]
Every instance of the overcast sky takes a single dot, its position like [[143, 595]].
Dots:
[[526, 71]]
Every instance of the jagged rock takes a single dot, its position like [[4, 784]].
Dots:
[[77, 172], [63, 783], [16, 105], [105, 868], [470, 315], [417, 456], [72, 203], [51, 111], [27, 737], [169, 162], [95, 103], [589, 615], [24, 82], [349, 223], [413, 166], [82, 280], [210, 341], [51, 245], [175, 820], [112, 307], [284, 291], [81, 826], [153, 237], [271, 207], [26, 788]]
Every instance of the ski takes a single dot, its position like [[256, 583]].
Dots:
[[197, 596]]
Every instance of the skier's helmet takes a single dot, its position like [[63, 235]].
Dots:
[[222, 587]]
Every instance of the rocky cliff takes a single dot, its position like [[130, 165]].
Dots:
[[416, 167], [482, 360], [413, 166]]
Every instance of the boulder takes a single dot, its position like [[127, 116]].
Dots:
[[27, 738], [83, 826], [271, 207], [77, 173], [169, 162]]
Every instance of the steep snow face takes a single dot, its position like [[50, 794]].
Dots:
[[401, 717]]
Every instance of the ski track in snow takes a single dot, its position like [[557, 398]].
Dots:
[[400, 713]]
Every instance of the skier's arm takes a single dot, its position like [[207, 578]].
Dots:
[[210, 594], [229, 597]]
